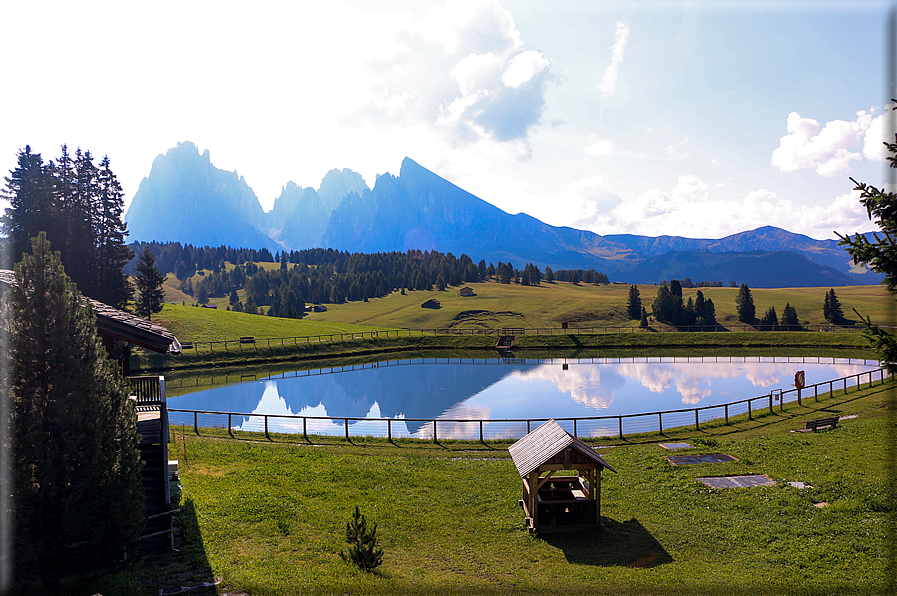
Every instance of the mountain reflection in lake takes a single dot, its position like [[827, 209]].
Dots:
[[490, 389]]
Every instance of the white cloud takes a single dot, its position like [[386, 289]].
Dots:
[[715, 162], [690, 208], [828, 150], [873, 142], [608, 84], [461, 71], [523, 67], [599, 148]]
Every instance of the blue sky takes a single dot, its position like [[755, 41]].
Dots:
[[698, 119]]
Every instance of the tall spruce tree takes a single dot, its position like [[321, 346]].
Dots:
[[831, 308], [634, 303], [112, 253], [744, 305], [790, 321], [78, 494], [148, 280]]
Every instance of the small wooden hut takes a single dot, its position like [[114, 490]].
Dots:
[[558, 503]]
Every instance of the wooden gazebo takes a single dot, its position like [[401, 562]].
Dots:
[[558, 503]]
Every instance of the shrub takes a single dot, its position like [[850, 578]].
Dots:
[[363, 550]]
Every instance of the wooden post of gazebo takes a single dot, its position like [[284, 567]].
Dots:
[[558, 503]]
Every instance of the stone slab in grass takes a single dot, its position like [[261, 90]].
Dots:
[[750, 481], [690, 460], [673, 446]]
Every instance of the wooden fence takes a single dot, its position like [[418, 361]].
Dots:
[[618, 425]]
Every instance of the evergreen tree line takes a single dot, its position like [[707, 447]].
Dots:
[[588, 276], [79, 204], [669, 307], [320, 276], [185, 260]]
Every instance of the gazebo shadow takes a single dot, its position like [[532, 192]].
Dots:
[[623, 544]]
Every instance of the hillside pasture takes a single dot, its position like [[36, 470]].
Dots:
[[550, 304]]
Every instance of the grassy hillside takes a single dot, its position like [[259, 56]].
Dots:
[[548, 305], [191, 323]]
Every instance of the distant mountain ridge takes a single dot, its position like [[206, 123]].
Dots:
[[186, 199]]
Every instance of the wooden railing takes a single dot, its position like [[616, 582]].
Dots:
[[587, 426]]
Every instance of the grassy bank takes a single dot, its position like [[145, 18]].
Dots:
[[261, 352]]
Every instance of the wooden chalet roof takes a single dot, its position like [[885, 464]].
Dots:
[[123, 325], [544, 443]]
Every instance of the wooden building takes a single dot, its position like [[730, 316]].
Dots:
[[120, 330], [558, 503], [466, 292], [431, 303]]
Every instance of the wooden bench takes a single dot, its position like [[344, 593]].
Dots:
[[821, 424]]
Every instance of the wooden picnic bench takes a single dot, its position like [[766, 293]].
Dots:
[[821, 424]]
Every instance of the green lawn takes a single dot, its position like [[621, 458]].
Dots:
[[272, 515]]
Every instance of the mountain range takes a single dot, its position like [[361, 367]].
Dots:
[[187, 199]]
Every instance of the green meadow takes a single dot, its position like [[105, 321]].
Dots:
[[268, 516], [498, 305]]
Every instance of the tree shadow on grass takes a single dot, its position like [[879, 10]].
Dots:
[[190, 566], [623, 544]]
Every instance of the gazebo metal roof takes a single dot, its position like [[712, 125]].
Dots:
[[545, 442]]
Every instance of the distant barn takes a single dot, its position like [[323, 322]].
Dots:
[[319, 308], [465, 291], [210, 306], [558, 503], [431, 303]]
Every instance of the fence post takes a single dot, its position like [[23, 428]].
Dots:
[[527, 426], [481, 431], [347, 429], [845, 385], [389, 429], [770, 403], [727, 414], [305, 429], [750, 416], [620, 421], [195, 426], [435, 440], [267, 436], [660, 421], [229, 425], [816, 392], [697, 425], [574, 427]]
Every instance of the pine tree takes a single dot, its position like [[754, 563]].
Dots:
[[363, 550], [832, 309], [790, 321], [770, 320], [744, 305], [634, 304], [78, 496], [29, 190], [112, 286], [150, 296], [643, 320]]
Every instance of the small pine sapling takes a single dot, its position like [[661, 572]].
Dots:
[[363, 550]]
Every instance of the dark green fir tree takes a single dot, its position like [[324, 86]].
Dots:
[[148, 280], [78, 498]]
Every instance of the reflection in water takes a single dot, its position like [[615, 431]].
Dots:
[[460, 390]]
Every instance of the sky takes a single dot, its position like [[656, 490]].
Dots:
[[697, 119]]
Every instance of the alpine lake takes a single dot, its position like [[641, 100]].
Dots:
[[492, 396]]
